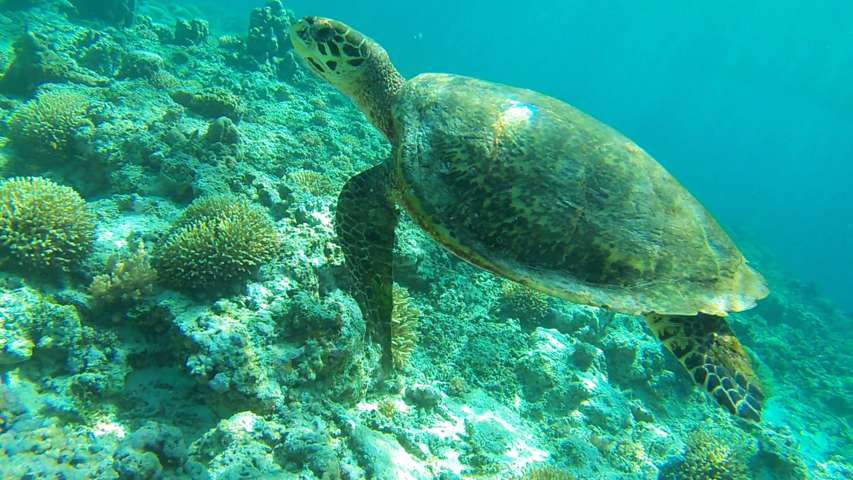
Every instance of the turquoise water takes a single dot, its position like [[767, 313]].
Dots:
[[176, 291]]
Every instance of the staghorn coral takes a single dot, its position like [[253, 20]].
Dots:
[[129, 278], [46, 126], [710, 458], [43, 224], [404, 322], [216, 241]]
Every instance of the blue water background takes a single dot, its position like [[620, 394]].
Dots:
[[748, 104]]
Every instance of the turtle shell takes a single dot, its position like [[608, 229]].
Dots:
[[533, 189]]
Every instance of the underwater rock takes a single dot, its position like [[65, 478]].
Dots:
[[222, 130], [141, 64], [269, 32], [192, 32], [561, 374], [36, 63], [211, 103], [241, 446], [383, 457], [149, 450], [117, 12]]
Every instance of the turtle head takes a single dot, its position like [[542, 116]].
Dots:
[[353, 63]]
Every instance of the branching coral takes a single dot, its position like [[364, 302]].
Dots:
[[43, 224], [709, 458], [46, 126], [217, 240], [312, 182], [540, 472], [404, 323], [129, 278], [521, 300]]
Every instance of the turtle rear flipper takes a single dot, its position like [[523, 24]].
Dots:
[[711, 353], [365, 222]]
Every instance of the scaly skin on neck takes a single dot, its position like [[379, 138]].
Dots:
[[354, 64]]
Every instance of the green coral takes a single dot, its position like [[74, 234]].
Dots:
[[540, 472], [216, 241], [46, 126], [43, 224], [522, 300], [404, 322], [710, 458]]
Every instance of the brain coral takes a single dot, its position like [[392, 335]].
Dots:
[[46, 125], [43, 224], [216, 241]]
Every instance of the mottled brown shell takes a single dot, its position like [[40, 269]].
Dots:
[[531, 188]]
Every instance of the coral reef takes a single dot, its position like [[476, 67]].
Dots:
[[269, 29], [36, 63], [211, 103], [404, 324], [117, 12], [192, 32], [255, 363], [128, 279], [43, 224], [49, 126], [216, 241]]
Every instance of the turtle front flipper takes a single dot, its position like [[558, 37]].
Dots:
[[708, 349], [365, 222]]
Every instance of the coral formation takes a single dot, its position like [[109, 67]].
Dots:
[[104, 377], [116, 12], [524, 301], [49, 125], [36, 63], [128, 279], [404, 324], [192, 32], [216, 241], [546, 473], [211, 103], [710, 458], [43, 224], [269, 29]]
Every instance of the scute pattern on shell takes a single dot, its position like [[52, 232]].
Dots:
[[530, 188]]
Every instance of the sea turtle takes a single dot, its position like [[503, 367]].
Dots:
[[534, 190]]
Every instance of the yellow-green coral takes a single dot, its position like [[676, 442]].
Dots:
[[129, 278], [46, 125], [217, 240], [312, 182], [546, 473], [43, 224], [404, 322], [710, 458], [524, 300]]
